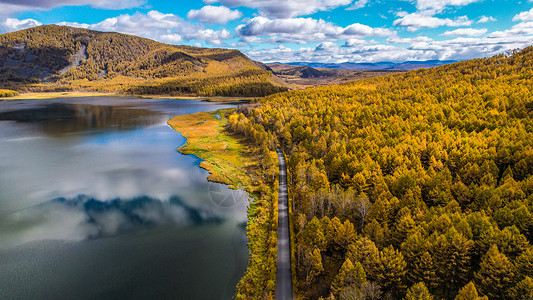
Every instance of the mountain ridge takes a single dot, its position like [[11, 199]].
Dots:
[[57, 58], [385, 65]]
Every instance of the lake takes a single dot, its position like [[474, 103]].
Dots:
[[96, 203]]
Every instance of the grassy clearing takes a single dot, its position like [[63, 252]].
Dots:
[[224, 156]]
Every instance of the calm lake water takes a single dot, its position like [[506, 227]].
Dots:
[[96, 203]]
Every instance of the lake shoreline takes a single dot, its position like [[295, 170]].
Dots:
[[172, 239], [50, 95], [223, 156]]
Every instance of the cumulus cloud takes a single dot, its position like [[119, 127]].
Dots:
[[415, 21], [357, 5], [354, 43], [524, 16], [418, 48], [332, 53], [214, 14], [167, 28], [22, 5], [520, 29], [12, 24], [285, 8], [485, 19], [302, 30], [439, 5], [395, 39], [465, 32]]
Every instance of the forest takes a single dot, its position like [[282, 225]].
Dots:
[[416, 185], [60, 58]]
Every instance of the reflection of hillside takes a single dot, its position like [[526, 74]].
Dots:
[[58, 119]]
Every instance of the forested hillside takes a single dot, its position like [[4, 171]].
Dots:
[[61, 58], [413, 185]]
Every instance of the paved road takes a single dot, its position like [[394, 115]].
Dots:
[[283, 276]]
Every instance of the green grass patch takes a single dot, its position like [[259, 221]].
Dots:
[[224, 156]]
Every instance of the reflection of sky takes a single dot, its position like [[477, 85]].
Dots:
[[109, 164], [105, 211]]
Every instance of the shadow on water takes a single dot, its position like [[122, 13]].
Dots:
[[58, 119]]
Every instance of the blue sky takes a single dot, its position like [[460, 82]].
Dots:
[[301, 30]]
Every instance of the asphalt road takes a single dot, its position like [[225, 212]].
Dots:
[[283, 276]]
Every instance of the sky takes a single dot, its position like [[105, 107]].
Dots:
[[326, 31]]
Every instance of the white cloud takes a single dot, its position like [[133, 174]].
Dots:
[[416, 21], [418, 48], [398, 40], [74, 24], [285, 8], [524, 16], [354, 43], [166, 28], [439, 5], [302, 30], [520, 29], [214, 14], [466, 32], [357, 5], [332, 53], [12, 24], [485, 19], [214, 37], [24, 5]]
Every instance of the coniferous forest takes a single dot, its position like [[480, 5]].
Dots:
[[416, 185]]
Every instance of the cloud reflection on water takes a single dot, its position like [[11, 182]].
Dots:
[[85, 217]]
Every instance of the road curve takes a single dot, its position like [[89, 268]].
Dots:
[[283, 275]]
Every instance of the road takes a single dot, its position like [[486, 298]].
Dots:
[[283, 276]]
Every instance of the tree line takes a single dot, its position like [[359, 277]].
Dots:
[[416, 185]]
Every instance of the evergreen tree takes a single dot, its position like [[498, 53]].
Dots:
[[349, 275], [469, 292], [523, 290], [418, 291], [524, 263], [389, 270], [496, 274], [314, 265]]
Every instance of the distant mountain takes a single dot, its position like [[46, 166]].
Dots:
[[298, 71], [52, 58], [404, 66]]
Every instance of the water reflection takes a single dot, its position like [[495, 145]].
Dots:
[[85, 217], [58, 119], [95, 203]]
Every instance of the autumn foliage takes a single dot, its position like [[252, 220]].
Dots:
[[415, 185]]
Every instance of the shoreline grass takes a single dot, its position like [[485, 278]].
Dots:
[[224, 157]]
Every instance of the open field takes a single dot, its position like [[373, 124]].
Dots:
[[223, 155]]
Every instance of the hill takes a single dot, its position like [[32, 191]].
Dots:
[[409, 184], [298, 71], [298, 77], [57, 58]]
